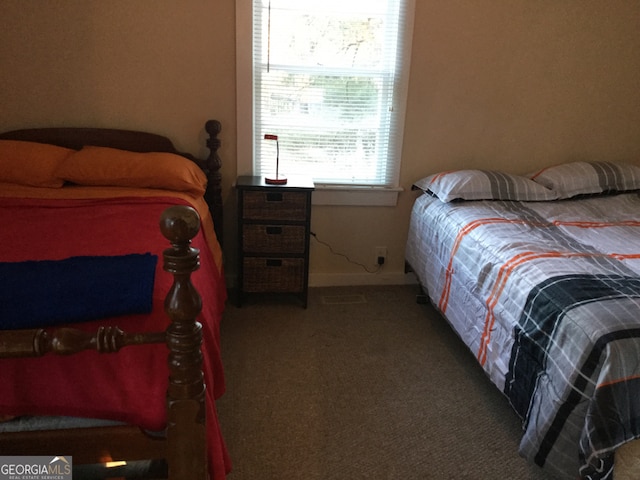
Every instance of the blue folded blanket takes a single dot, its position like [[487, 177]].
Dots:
[[50, 292]]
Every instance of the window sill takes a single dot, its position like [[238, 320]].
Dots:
[[356, 196]]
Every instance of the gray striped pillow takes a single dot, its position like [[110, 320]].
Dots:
[[483, 185], [588, 178]]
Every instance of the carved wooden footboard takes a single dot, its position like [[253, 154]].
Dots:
[[184, 447], [184, 444]]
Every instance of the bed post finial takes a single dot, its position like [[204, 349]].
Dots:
[[186, 393]]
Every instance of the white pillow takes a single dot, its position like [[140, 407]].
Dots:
[[483, 185]]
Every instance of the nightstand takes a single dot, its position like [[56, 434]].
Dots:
[[274, 223]]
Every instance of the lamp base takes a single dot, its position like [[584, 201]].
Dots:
[[277, 180]]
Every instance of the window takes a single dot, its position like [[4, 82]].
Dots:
[[329, 79]]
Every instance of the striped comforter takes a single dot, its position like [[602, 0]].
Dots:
[[547, 295]]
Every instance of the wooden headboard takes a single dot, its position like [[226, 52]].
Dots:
[[136, 141]]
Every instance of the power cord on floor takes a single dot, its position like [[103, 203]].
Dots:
[[364, 267]]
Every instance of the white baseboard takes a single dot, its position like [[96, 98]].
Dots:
[[349, 279]]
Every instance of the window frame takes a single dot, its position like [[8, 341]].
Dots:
[[325, 194]]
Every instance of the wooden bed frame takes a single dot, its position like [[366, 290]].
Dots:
[[185, 447]]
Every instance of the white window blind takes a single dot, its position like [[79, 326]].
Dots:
[[329, 79]]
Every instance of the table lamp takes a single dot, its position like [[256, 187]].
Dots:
[[278, 179]]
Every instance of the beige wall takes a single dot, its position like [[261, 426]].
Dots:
[[510, 84]]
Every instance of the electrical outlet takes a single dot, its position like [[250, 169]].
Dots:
[[381, 255]]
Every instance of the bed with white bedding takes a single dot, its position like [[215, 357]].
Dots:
[[541, 280]]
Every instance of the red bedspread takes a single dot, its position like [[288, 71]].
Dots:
[[129, 386]]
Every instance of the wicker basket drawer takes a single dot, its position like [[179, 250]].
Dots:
[[265, 205], [273, 238], [273, 275]]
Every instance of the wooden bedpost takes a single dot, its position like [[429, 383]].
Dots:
[[213, 195], [186, 422]]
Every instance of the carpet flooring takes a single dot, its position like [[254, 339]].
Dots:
[[363, 384]]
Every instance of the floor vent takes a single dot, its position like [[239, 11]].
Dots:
[[343, 299]]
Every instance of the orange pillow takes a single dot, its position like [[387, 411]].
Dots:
[[102, 166], [31, 163]]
